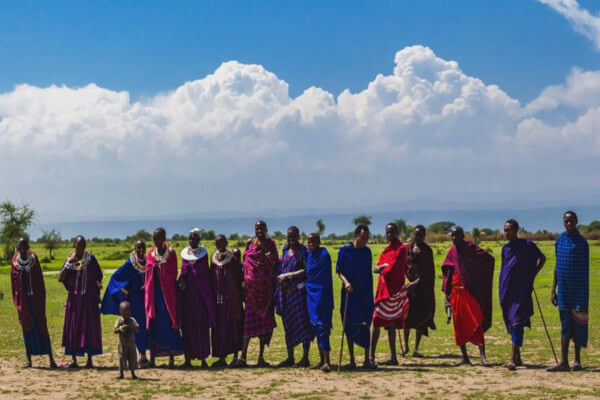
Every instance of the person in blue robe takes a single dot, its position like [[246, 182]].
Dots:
[[354, 267], [127, 283], [319, 297]]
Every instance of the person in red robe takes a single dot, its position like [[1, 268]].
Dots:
[[260, 262], [468, 273], [29, 298], [162, 318], [391, 301]]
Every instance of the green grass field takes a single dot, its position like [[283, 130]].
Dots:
[[440, 342]]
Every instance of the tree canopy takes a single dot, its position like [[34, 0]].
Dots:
[[14, 221]]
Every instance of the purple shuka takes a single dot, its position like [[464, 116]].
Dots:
[[81, 331], [519, 268], [196, 304], [226, 277]]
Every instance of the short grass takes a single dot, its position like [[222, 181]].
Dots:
[[440, 342]]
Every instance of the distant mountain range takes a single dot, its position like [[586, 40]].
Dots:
[[548, 218]]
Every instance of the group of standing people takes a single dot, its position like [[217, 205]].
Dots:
[[215, 305]]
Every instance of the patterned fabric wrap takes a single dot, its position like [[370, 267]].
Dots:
[[574, 325], [290, 299], [572, 271]]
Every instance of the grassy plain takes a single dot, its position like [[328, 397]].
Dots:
[[431, 377]]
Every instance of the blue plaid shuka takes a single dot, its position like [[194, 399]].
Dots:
[[572, 271]]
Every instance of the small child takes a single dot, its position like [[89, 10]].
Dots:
[[126, 326]]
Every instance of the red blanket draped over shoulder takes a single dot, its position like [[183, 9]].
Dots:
[[167, 273], [37, 293], [392, 277], [475, 267], [259, 275]]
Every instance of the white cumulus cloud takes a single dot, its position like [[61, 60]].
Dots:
[[235, 139]]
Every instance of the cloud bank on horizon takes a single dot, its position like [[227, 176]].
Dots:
[[235, 139]]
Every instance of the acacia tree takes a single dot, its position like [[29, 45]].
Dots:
[[362, 220], [320, 227], [403, 229], [51, 240], [14, 221]]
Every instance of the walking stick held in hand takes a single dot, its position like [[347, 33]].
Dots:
[[343, 331], [545, 327]]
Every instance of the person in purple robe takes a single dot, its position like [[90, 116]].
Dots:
[[29, 298], [82, 277], [521, 261], [195, 301], [226, 280]]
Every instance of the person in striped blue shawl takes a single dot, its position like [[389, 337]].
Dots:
[[570, 291]]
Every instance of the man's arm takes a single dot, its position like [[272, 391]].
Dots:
[[541, 261], [346, 283], [553, 297]]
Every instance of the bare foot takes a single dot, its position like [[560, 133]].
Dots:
[[462, 362], [416, 354], [53, 364], [350, 365], [88, 365], [370, 364], [288, 362], [511, 366], [263, 364], [577, 367], [185, 365], [304, 363], [73, 365], [485, 362], [326, 368], [239, 363], [391, 361], [27, 364], [562, 367], [316, 366], [519, 362]]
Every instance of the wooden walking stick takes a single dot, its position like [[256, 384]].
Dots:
[[401, 337], [343, 331], [545, 327]]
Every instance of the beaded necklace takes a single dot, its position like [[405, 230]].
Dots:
[[25, 266], [138, 265]]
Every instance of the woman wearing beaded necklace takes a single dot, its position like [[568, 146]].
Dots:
[[29, 297], [197, 307], [226, 280], [82, 277], [162, 317], [127, 283]]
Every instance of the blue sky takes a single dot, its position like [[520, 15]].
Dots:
[[160, 108], [147, 46]]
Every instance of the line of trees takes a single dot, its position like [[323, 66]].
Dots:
[[16, 219]]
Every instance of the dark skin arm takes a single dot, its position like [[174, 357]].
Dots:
[[346, 283], [553, 296], [541, 262], [301, 273]]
